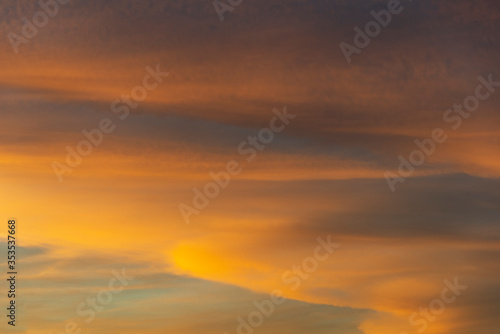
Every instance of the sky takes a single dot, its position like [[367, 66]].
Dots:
[[333, 171]]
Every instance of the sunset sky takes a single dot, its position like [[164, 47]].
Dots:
[[323, 175]]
